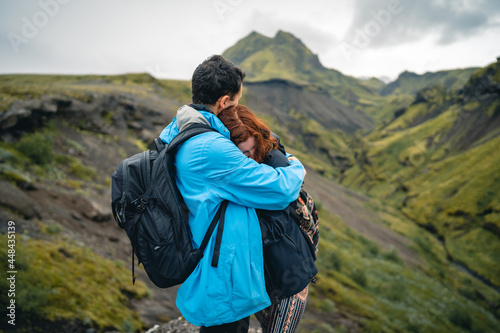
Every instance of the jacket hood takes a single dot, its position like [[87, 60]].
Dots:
[[186, 115]]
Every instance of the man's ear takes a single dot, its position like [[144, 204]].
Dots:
[[222, 102]]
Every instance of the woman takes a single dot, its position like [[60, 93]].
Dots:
[[288, 253]]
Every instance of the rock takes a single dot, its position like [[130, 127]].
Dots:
[[180, 325], [97, 211], [15, 199], [135, 125], [11, 117], [108, 114]]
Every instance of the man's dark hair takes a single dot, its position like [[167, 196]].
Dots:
[[214, 78]]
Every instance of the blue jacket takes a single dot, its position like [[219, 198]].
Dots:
[[210, 169]]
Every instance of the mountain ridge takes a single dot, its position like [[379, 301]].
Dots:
[[410, 83], [283, 56]]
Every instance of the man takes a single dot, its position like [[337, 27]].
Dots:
[[210, 169]]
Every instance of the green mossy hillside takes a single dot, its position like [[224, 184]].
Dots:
[[358, 278], [58, 282], [438, 163]]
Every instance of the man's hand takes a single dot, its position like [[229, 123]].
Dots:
[[293, 158]]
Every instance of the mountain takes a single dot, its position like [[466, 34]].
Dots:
[[437, 161], [285, 57], [410, 83], [295, 75], [374, 83]]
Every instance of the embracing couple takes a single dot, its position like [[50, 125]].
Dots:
[[244, 163]]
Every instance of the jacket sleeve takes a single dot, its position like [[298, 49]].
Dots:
[[241, 180]]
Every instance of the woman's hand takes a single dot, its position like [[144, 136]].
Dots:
[[293, 158]]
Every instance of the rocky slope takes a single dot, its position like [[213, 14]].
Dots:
[[288, 98]]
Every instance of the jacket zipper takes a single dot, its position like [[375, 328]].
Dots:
[[291, 240]]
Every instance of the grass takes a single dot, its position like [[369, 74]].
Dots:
[[60, 282], [33, 157], [464, 247], [455, 192], [389, 296], [416, 168], [37, 146]]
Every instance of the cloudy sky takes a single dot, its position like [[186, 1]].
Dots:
[[169, 39]]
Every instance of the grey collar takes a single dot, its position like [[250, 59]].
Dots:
[[186, 116]]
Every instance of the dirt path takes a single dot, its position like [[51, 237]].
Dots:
[[348, 205]]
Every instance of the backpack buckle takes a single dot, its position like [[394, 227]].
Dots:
[[141, 205]]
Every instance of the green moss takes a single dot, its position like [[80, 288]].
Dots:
[[359, 277], [419, 170], [406, 120], [389, 296], [81, 171], [460, 318], [52, 229], [180, 90], [75, 184], [39, 147], [464, 184], [12, 173], [79, 148], [75, 167], [468, 248], [493, 108], [392, 255], [62, 282], [141, 145]]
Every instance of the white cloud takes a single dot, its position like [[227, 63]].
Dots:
[[171, 38]]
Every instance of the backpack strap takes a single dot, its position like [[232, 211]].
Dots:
[[159, 144], [183, 136], [221, 212], [218, 237], [188, 133]]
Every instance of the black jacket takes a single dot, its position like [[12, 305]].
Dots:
[[288, 253]]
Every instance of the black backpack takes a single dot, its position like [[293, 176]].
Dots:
[[290, 238], [146, 203]]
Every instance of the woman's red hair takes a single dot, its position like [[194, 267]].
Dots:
[[242, 124]]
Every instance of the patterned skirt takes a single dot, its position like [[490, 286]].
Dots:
[[283, 316]]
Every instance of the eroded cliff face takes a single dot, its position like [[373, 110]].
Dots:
[[110, 114]]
